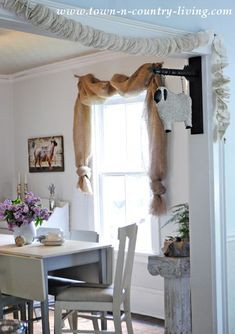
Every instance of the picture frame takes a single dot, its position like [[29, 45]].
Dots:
[[46, 154]]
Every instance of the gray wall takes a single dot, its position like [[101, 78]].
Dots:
[[7, 134]]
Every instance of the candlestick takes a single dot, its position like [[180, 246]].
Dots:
[[25, 188], [18, 190]]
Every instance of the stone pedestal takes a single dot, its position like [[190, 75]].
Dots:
[[176, 273]]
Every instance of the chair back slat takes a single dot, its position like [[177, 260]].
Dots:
[[125, 259], [84, 235]]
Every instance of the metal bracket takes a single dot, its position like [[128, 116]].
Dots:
[[188, 72], [195, 88]]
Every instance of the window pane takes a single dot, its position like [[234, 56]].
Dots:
[[114, 205], [137, 197], [122, 149], [137, 208], [136, 142], [114, 137], [125, 144], [126, 201]]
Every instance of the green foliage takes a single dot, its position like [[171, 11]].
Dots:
[[180, 216]]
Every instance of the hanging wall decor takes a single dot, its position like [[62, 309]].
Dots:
[[46, 154], [173, 108]]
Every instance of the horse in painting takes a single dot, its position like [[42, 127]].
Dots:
[[45, 154]]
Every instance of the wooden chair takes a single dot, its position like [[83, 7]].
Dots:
[[103, 299], [59, 279]]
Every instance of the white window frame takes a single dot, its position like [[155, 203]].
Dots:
[[97, 176]]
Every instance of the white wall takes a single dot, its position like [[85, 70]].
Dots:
[[7, 134], [43, 106]]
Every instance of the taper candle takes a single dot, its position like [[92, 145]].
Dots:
[[18, 178]]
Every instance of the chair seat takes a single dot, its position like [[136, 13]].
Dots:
[[87, 294], [58, 284]]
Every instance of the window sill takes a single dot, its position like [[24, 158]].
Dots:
[[140, 257]]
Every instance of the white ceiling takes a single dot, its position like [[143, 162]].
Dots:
[[20, 51]]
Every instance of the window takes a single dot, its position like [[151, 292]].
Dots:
[[121, 183]]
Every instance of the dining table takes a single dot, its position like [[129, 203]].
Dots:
[[24, 270]]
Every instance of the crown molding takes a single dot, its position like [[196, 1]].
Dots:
[[75, 64], [78, 63]]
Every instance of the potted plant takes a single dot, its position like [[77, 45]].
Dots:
[[178, 245], [23, 215]]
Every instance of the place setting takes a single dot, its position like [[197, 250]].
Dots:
[[51, 239]]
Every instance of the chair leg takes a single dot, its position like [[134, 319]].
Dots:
[[96, 325], [128, 316], [30, 317], [103, 321], [23, 312], [117, 320], [57, 319], [16, 312], [73, 320]]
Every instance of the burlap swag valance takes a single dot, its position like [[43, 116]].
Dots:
[[92, 91]]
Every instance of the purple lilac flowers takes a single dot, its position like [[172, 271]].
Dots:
[[18, 212]]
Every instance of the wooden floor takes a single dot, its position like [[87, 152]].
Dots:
[[141, 325]]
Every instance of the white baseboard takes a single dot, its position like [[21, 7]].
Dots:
[[147, 302]]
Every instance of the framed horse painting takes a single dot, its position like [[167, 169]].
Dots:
[[46, 154]]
